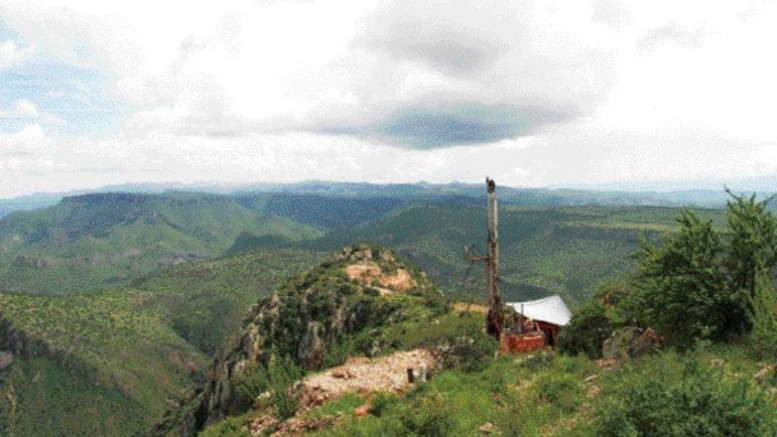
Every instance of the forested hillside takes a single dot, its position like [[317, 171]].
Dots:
[[98, 240], [119, 357], [103, 240], [545, 250]]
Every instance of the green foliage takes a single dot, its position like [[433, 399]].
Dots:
[[381, 402], [471, 350], [437, 422], [763, 319], [101, 240], [681, 284], [564, 391], [64, 397], [276, 378], [586, 332], [699, 286], [229, 427], [664, 395], [681, 397], [536, 362], [752, 250]]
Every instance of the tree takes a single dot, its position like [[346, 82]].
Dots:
[[752, 251], [681, 286], [699, 285]]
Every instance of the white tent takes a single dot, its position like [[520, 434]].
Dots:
[[550, 309]]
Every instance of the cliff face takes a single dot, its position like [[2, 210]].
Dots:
[[16, 343], [356, 292]]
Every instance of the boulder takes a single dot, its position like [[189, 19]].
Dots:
[[5, 359]]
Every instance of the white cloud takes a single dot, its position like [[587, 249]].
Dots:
[[26, 110], [22, 109], [12, 54], [565, 92]]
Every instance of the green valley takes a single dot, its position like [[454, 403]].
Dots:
[[124, 355]]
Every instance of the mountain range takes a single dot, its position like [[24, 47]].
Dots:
[[616, 194]]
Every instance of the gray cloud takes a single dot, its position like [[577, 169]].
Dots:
[[430, 75], [452, 124], [445, 47]]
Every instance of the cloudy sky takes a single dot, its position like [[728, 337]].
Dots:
[[531, 93]]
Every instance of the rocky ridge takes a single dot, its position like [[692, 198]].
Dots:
[[307, 320]]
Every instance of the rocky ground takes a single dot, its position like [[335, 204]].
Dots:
[[364, 376], [358, 375]]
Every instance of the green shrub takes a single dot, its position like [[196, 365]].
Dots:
[[230, 427], [381, 402], [471, 350], [277, 378], [562, 391], [586, 332], [429, 418], [535, 362], [682, 397], [763, 335]]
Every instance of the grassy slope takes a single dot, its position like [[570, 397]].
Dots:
[[119, 355], [548, 395]]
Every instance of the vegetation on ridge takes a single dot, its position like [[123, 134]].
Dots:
[[124, 355]]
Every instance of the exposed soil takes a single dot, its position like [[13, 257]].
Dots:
[[364, 376], [370, 273]]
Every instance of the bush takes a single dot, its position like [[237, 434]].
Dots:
[[763, 335], [586, 332], [381, 402], [562, 391], [701, 283], [430, 419], [690, 401], [277, 378], [537, 362], [471, 350]]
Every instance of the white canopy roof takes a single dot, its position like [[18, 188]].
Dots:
[[550, 309]]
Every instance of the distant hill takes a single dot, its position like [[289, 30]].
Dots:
[[702, 193], [27, 203], [96, 240], [544, 250], [100, 240]]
